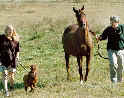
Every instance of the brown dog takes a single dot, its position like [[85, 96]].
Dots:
[[30, 79]]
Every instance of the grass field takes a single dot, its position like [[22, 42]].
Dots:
[[40, 26]]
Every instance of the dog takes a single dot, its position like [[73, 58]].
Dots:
[[30, 79]]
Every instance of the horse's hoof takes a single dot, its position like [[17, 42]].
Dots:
[[81, 82], [85, 79]]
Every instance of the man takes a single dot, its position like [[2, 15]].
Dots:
[[115, 47]]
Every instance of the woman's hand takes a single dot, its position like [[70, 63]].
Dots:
[[17, 56]]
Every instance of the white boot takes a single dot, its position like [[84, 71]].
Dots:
[[6, 93], [5, 82]]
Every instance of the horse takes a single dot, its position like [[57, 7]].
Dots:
[[77, 41]]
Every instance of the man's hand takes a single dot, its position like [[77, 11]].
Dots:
[[97, 38]]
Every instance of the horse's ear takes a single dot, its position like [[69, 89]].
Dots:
[[74, 9], [79, 10], [82, 7]]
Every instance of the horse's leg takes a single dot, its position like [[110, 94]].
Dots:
[[79, 60], [32, 88], [67, 65], [88, 58], [26, 89]]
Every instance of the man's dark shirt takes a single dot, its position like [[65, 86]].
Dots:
[[115, 37]]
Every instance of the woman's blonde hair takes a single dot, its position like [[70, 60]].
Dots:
[[14, 34]]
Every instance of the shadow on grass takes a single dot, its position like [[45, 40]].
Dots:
[[21, 85], [16, 85]]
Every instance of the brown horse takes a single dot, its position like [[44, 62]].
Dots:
[[77, 41]]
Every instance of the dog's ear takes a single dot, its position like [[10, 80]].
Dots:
[[33, 67]]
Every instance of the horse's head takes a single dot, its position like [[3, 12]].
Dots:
[[81, 17]]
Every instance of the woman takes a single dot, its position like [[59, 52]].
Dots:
[[9, 53]]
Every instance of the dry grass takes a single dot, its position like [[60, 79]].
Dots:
[[25, 14]]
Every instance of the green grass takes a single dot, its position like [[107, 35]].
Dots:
[[45, 50]]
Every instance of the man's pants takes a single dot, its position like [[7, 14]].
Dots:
[[116, 59]]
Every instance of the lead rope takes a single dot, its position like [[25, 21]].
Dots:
[[19, 63], [98, 51]]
